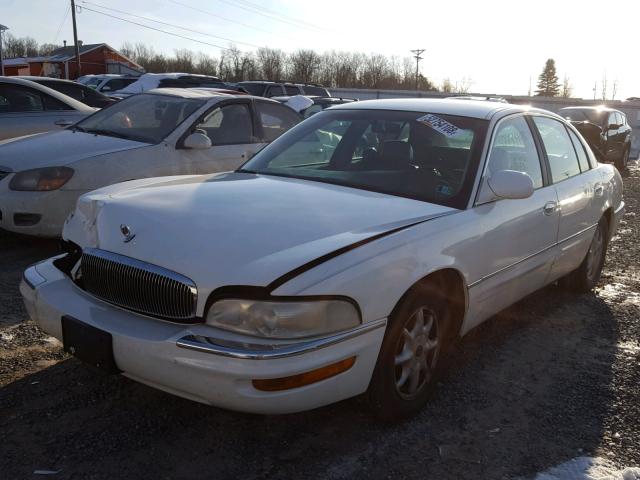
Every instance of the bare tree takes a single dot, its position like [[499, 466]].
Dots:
[[566, 89], [271, 63], [183, 61], [303, 65], [447, 85], [206, 65]]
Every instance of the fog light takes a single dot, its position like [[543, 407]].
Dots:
[[302, 379]]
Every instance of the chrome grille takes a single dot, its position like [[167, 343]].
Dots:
[[138, 285]]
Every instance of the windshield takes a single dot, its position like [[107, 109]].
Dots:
[[92, 82], [428, 157], [146, 118], [583, 114]]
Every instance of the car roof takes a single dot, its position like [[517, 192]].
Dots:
[[75, 104], [599, 108], [463, 108], [202, 93], [34, 78]]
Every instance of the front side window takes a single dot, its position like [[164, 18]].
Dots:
[[612, 121], [514, 149], [18, 99], [291, 90], [230, 124], [274, 91], [428, 157], [145, 118], [560, 152], [275, 119]]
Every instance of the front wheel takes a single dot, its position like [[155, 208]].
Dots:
[[411, 356], [587, 275]]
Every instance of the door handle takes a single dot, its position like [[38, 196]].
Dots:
[[63, 123], [549, 208], [599, 190]]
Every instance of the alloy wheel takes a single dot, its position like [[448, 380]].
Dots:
[[417, 352]]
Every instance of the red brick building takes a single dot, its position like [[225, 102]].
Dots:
[[95, 58]]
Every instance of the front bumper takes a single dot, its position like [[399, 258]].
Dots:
[[47, 209], [186, 360]]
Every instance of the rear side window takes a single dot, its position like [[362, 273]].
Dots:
[[15, 99], [316, 91], [560, 152], [274, 91], [583, 159], [275, 119], [514, 149], [291, 90], [73, 91]]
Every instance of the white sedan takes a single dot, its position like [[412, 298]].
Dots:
[[303, 279], [27, 107], [169, 131]]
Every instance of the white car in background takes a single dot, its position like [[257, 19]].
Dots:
[[161, 132], [107, 83], [298, 281], [27, 107]]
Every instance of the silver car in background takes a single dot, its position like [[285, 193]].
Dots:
[[27, 108]]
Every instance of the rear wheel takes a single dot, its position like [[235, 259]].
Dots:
[[412, 354], [587, 275], [622, 163]]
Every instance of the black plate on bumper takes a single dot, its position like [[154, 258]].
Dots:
[[89, 344]]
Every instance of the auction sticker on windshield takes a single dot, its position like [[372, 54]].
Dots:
[[439, 124]]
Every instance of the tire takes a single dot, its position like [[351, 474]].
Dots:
[[586, 276], [622, 163], [397, 391]]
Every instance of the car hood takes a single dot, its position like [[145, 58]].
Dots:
[[236, 228], [59, 148]]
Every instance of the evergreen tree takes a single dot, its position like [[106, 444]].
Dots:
[[548, 85]]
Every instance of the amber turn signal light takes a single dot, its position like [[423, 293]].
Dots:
[[302, 379]]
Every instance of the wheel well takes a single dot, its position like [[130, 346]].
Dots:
[[453, 287]]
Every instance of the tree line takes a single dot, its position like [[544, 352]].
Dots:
[[333, 68]]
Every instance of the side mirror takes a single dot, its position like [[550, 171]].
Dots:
[[510, 184], [197, 141]]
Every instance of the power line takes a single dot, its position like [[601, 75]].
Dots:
[[168, 24], [156, 29], [64, 19], [259, 11], [278, 14], [211, 14]]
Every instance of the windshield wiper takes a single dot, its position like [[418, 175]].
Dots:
[[107, 133], [76, 128]]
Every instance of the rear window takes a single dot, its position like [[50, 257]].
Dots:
[[583, 114]]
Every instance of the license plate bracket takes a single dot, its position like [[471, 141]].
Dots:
[[89, 344]]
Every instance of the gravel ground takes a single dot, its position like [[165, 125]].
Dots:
[[554, 377]]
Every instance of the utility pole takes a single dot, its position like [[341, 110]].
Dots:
[[615, 89], [2, 30], [595, 89], [75, 37], [417, 56]]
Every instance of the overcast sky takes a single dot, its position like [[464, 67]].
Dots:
[[500, 45]]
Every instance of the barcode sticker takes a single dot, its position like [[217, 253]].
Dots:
[[439, 125]]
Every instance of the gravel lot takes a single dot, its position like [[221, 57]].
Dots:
[[553, 378]]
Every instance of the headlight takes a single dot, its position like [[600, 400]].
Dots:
[[41, 179], [283, 319]]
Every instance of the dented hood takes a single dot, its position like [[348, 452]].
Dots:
[[236, 228]]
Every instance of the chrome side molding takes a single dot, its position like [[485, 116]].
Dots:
[[244, 351]]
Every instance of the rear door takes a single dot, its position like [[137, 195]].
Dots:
[[25, 110], [578, 188], [234, 139]]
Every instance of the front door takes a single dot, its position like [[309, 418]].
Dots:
[[231, 131], [518, 236]]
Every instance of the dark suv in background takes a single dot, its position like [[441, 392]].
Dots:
[[605, 129], [263, 88], [80, 92]]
